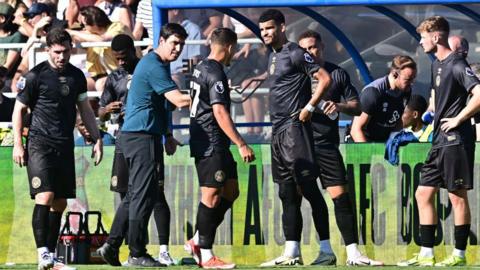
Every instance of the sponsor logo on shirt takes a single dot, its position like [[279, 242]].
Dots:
[[219, 87], [308, 58], [469, 72], [21, 83]]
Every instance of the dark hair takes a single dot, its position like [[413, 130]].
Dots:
[[122, 42], [417, 103], [94, 16], [272, 14], [170, 29], [310, 34], [3, 72], [223, 36], [58, 36]]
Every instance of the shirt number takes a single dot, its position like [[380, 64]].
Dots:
[[195, 95]]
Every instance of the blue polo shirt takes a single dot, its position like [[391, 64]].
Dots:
[[145, 109]]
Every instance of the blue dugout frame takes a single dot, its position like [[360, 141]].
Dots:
[[160, 17]]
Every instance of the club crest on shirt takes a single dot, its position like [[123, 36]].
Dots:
[[437, 80], [469, 72], [220, 176], [308, 58], [272, 66], [219, 87], [21, 83], [114, 181], [64, 89], [36, 182]]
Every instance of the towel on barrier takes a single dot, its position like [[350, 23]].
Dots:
[[394, 142]]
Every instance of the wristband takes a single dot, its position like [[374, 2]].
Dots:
[[310, 108]]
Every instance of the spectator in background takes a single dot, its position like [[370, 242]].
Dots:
[[412, 118], [9, 58], [383, 102], [72, 10], [6, 104], [143, 20], [100, 60], [242, 32], [459, 45], [207, 19], [117, 11], [40, 18], [190, 52], [87, 139], [254, 105]]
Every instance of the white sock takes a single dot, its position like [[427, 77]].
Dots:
[[292, 248], [352, 251], [459, 253], [206, 254], [325, 246], [426, 252], [42, 250], [195, 238], [163, 248]]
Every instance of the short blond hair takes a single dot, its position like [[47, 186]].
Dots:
[[434, 24]]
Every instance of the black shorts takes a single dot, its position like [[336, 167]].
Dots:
[[449, 167], [51, 169], [293, 160], [214, 170], [330, 166]]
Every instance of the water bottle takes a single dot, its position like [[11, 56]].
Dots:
[[333, 115], [427, 117]]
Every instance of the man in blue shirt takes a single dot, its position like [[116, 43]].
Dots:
[[144, 124]]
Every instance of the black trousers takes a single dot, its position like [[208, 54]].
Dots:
[[144, 156]]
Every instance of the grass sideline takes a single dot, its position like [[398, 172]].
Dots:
[[252, 267]]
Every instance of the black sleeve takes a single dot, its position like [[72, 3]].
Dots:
[[304, 61], [349, 92], [218, 89], [368, 100], [465, 75], [26, 85], [108, 95], [82, 83]]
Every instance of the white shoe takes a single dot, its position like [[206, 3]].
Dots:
[[165, 258], [59, 265], [45, 261], [363, 261], [324, 258], [283, 260]]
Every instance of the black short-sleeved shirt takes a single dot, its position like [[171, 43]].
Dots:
[[209, 86], [6, 109], [289, 73], [325, 130], [116, 88], [51, 96], [452, 80], [385, 108]]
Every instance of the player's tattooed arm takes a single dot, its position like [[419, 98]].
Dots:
[[322, 86]]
